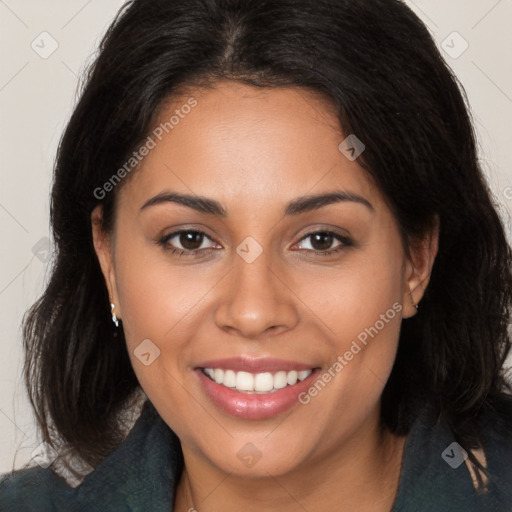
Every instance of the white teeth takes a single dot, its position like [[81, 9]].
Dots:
[[304, 374], [280, 380], [263, 382], [229, 379], [259, 382], [244, 381], [218, 375], [291, 378]]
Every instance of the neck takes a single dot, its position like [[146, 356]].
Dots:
[[360, 474]]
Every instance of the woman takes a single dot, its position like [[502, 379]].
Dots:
[[274, 240]]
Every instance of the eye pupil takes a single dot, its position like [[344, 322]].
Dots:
[[191, 240], [325, 241]]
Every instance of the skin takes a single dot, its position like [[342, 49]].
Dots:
[[254, 150]]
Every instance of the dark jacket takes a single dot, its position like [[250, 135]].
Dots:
[[142, 474]]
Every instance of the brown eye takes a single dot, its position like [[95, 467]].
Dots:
[[191, 240], [186, 242], [322, 242]]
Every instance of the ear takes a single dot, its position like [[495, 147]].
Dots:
[[418, 270], [103, 247]]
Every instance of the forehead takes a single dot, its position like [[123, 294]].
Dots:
[[252, 145]]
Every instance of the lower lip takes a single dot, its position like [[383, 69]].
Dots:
[[254, 406]]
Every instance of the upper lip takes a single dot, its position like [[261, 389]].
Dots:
[[266, 364]]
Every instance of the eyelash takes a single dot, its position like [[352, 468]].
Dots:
[[164, 242]]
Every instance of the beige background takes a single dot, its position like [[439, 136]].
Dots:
[[36, 98]]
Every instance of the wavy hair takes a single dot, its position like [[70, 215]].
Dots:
[[379, 67]]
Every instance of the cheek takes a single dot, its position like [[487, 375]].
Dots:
[[159, 309], [361, 308], [156, 296], [355, 296], [159, 304]]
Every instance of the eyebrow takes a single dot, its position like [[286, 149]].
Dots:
[[296, 207]]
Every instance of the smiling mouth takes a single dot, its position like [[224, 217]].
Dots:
[[256, 383]]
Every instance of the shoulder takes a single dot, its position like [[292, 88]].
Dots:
[[437, 472], [139, 475], [31, 489]]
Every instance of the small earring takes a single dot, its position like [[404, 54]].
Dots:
[[114, 318], [417, 306]]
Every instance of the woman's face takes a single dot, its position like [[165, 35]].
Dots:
[[259, 300]]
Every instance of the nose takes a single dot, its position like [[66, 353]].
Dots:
[[256, 300]]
